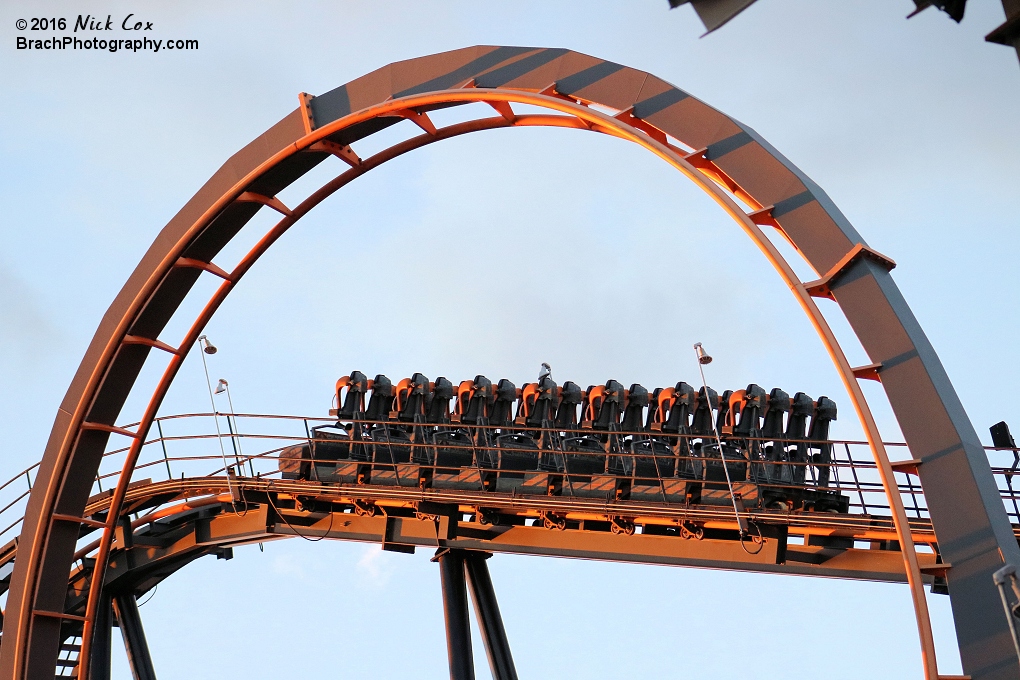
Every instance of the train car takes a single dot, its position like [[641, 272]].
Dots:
[[674, 445]]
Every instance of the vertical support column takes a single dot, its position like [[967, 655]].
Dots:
[[455, 610], [126, 608], [99, 657], [497, 647]]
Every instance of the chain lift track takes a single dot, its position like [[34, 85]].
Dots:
[[750, 180]]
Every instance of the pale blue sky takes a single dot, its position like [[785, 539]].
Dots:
[[909, 126]]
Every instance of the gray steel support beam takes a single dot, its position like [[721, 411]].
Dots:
[[126, 608], [455, 610], [497, 647], [99, 663], [974, 533]]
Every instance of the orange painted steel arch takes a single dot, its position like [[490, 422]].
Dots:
[[87, 393], [603, 123]]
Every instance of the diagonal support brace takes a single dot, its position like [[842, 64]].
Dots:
[[99, 661], [126, 608], [497, 647], [455, 611]]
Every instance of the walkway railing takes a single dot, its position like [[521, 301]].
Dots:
[[250, 445]]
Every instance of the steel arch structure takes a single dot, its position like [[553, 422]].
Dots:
[[728, 160]]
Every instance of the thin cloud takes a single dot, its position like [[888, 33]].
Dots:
[[26, 335], [375, 566]]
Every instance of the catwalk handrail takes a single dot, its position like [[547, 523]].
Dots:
[[842, 458]]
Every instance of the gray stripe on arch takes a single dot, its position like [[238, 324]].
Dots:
[[660, 102], [472, 68], [819, 195], [589, 76], [331, 106], [788, 205], [504, 75], [725, 146]]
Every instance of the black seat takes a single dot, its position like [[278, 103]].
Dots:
[[609, 419], [637, 399], [439, 404], [778, 470], [474, 401], [517, 452], [295, 462], [801, 408], [701, 423], [411, 398], [753, 401], [587, 453], [392, 445], [605, 415], [564, 402], [505, 394], [653, 459], [752, 406], [724, 418], [539, 406], [736, 463], [824, 413], [474, 404], [353, 403], [330, 443], [585, 456], [453, 449], [379, 406], [571, 397], [637, 444], [381, 402]]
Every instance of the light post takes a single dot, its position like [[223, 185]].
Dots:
[[235, 438], [208, 348], [703, 360]]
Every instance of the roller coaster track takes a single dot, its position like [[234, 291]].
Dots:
[[764, 194], [177, 520]]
